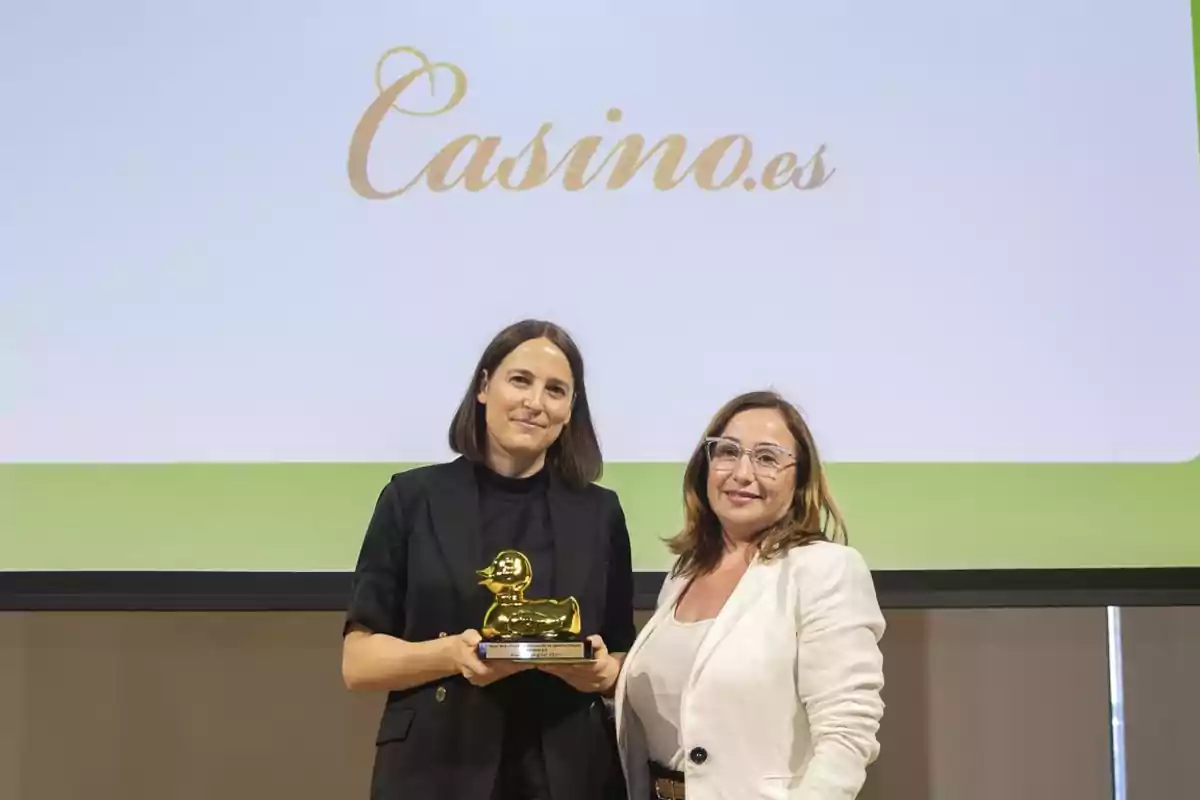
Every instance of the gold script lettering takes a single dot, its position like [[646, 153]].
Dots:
[[710, 158], [535, 174], [779, 168], [629, 152], [629, 162], [580, 155], [472, 176], [368, 126], [577, 159], [817, 176]]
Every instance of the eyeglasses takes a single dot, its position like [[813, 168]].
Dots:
[[767, 460]]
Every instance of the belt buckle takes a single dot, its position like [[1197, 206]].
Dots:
[[667, 789]]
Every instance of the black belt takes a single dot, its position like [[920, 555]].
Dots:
[[665, 784]]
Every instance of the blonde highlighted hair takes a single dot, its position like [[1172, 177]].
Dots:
[[813, 515]]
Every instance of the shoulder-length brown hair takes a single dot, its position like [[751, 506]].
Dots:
[[575, 455], [813, 515]]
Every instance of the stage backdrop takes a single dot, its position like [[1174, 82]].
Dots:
[[251, 252]]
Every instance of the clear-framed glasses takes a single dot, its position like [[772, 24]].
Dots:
[[767, 460]]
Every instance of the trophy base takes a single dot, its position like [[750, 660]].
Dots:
[[536, 651]]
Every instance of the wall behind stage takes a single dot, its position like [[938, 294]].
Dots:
[[248, 706]]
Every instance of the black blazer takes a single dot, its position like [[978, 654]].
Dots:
[[415, 579]]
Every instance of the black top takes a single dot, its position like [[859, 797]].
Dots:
[[513, 514], [416, 579]]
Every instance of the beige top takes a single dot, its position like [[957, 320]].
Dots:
[[655, 681]]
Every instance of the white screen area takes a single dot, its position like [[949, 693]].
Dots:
[[1002, 266]]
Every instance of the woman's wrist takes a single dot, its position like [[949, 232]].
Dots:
[[447, 650], [612, 674]]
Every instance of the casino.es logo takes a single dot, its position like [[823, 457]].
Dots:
[[628, 156]]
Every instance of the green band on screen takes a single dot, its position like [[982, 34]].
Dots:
[[1196, 55], [312, 516]]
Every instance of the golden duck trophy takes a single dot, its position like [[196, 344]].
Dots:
[[516, 628]]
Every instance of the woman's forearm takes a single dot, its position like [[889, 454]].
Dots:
[[376, 661]]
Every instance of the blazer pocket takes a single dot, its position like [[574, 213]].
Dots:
[[395, 725]]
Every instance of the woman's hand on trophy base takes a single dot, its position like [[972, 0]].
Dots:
[[474, 669], [598, 676]]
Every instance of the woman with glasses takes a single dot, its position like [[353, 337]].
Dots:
[[759, 675]]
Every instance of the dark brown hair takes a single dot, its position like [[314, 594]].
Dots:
[[575, 455], [813, 516]]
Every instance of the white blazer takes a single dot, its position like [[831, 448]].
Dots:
[[783, 700]]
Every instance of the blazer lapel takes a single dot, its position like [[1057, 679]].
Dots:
[[576, 530], [744, 594], [454, 509]]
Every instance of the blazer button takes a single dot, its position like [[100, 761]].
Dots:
[[440, 694], [698, 755]]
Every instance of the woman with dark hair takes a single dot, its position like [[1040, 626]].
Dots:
[[455, 726], [759, 675]]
